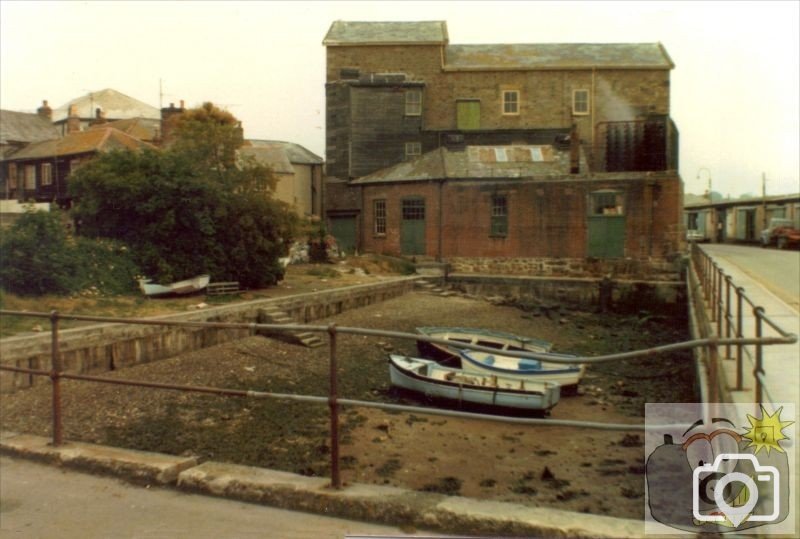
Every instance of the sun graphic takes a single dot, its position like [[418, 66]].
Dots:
[[765, 433]]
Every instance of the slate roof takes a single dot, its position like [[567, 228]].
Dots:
[[500, 56], [273, 157], [115, 105], [558, 56], [92, 140], [25, 127], [478, 162], [343, 33], [297, 154], [140, 128]]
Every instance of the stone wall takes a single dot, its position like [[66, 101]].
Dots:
[[100, 348]]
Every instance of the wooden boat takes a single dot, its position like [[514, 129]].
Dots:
[[435, 380], [481, 337], [475, 361], [187, 286]]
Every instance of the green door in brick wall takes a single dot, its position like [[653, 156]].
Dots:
[[606, 236], [412, 227], [344, 230], [605, 224]]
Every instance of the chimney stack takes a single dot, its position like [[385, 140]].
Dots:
[[169, 119], [45, 111], [73, 120], [99, 117]]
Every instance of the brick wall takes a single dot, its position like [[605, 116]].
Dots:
[[546, 219]]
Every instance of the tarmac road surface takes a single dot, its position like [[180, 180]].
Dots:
[[44, 501], [777, 270]]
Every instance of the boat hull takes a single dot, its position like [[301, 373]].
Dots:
[[433, 380], [187, 286], [522, 368], [491, 339]]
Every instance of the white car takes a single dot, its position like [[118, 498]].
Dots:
[[695, 235]]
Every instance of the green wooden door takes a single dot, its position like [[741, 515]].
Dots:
[[412, 227], [344, 230], [468, 114], [606, 236]]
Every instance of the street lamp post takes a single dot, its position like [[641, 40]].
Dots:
[[713, 220]]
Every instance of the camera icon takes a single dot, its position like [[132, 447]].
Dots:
[[767, 480]]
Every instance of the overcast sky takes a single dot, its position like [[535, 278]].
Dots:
[[735, 88]]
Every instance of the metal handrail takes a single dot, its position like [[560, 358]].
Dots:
[[720, 307], [56, 373]]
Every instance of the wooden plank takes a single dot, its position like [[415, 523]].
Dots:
[[218, 289]]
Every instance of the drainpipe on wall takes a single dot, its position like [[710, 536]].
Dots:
[[441, 222]]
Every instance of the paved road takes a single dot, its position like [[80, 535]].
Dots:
[[44, 501], [778, 270]]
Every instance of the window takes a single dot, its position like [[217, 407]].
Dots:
[[510, 102], [499, 216], [580, 102], [468, 114], [413, 103], [30, 177], [607, 203], [413, 150], [379, 211], [73, 164], [414, 209], [12, 175], [47, 174]]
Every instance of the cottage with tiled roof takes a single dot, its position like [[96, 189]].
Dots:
[[40, 170], [431, 145]]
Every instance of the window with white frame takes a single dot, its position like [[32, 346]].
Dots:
[[499, 224], [413, 102], [510, 101], [73, 164], [47, 174], [413, 150], [30, 177], [379, 211], [580, 102]]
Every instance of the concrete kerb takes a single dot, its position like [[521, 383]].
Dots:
[[387, 505]]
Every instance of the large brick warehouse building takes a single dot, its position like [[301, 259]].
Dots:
[[540, 158]]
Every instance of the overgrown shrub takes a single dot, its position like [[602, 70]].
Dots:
[[318, 246], [36, 257], [39, 257]]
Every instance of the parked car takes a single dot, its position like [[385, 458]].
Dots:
[[695, 236], [780, 232]]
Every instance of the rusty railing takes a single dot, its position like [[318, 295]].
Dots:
[[333, 401]]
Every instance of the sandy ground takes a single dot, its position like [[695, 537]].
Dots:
[[573, 469]]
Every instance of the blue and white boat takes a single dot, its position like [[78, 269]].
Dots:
[[498, 340], [566, 374], [434, 380]]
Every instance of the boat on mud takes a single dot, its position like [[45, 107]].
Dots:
[[498, 340], [431, 379], [187, 286], [567, 375]]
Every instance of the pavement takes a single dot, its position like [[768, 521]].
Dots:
[[169, 496], [781, 363]]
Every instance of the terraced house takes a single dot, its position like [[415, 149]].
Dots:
[[517, 158]]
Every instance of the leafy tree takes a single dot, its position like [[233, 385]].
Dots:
[[195, 207]]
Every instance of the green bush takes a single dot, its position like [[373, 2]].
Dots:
[[36, 256], [39, 257]]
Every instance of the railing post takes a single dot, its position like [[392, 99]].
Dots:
[[713, 371], [55, 376], [728, 315], [758, 311], [336, 480], [718, 305], [739, 335], [712, 302]]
